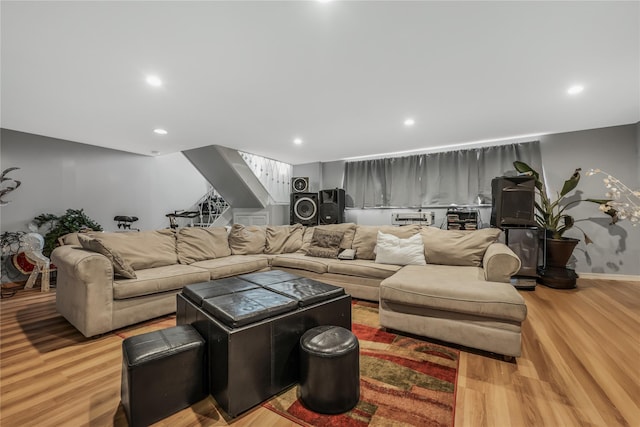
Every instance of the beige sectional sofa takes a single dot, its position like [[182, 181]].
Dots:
[[461, 294]]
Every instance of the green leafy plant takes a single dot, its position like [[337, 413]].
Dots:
[[551, 214], [72, 221]]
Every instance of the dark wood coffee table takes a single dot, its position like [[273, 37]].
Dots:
[[252, 325]]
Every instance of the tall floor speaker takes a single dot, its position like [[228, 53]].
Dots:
[[304, 208], [513, 201], [331, 209]]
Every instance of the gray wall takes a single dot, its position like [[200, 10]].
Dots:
[[616, 249], [58, 174], [313, 171]]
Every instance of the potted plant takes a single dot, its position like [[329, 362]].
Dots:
[[552, 217], [73, 220]]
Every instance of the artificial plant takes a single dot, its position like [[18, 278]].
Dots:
[[72, 221]]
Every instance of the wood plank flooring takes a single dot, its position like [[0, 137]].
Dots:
[[580, 367]]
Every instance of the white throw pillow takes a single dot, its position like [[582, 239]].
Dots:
[[394, 250]]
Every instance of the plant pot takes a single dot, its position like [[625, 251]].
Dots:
[[556, 274], [559, 251]]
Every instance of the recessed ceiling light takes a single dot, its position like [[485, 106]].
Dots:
[[154, 81], [160, 131], [575, 89], [297, 141], [409, 122]]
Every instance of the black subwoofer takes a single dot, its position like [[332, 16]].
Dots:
[[304, 208], [331, 206], [512, 201]]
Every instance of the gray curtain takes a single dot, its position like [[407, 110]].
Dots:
[[433, 179]]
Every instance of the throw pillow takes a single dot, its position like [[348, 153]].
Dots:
[[120, 266], [394, 250], [325, 243], [457, 247], [348, 229], [247, 239], [366, 237]]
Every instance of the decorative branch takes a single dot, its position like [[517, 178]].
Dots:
[[623, 199], [7, 185]]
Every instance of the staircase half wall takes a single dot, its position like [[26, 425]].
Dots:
[[229, 174]]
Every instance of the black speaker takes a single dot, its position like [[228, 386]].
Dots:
[[300, 184], [304, 208], [512, 201], [524, 242], [331, 209]]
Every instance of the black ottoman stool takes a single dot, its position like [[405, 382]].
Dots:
[[162, 373], [329, 369]]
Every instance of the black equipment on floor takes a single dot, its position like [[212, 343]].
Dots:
[[331, 206], [512, 201]]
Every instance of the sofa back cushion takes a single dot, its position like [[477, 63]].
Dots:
[[457, 247], [283, 239], [348, 229], [366, 237], [144, 249], [247, 239], [199, 244]]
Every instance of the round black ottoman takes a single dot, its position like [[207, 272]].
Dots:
[[329, 369]]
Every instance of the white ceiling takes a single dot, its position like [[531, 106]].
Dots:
[[341, 75]]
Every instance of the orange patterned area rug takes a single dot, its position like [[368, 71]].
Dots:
[[403, 381]]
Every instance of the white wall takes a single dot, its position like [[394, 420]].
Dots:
[[58, 174]]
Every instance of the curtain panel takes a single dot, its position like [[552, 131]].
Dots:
[[436, 178]]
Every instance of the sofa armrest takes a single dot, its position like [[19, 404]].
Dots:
[[84, 289], [500, 263]]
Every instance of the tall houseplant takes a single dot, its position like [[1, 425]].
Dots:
[[551, 216]]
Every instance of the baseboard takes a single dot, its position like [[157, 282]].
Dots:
[[604, 276]]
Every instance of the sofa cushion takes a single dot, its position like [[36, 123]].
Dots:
[[443, 291], [120, 266], [158, 279], [325, 243], [347, 228], [233, 265], [457, 247], [144, 249], [197, 244], [247, 239], [283, 239], [366, 237], [394, 250], [363, 268], [302, 262]]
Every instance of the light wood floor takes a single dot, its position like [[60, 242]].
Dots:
[[580, 367]]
